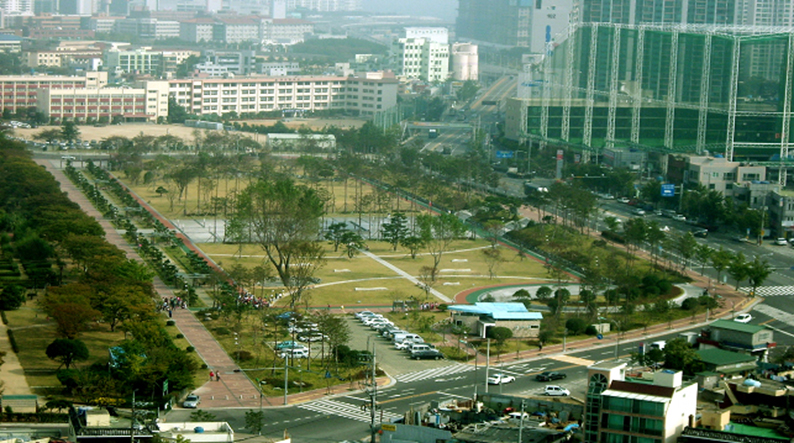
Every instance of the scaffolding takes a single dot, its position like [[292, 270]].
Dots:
[[669, 88]]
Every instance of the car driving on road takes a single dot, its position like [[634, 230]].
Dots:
[[550, 375], [427, 354], [500, 379]]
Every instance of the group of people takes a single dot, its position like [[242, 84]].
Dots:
[[171, 303], [246, 298], [215, 375]]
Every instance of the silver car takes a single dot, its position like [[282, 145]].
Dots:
[[191, 401]]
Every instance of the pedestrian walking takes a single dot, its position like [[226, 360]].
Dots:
[[217, 376], [212, 375]]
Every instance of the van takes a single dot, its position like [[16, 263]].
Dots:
[[295, 353], [399, 338], [419, 347], [658, 345]]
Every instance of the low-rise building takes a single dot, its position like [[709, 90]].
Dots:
[[148, 102], [481, 316], [237, 62], [19, 92], [727, 363], [364, 96], [10, 43], [720, 174], [196, 30], [781, 213], [236, 30], [278, 68], [287, 31], [740, 337], [633, 159]]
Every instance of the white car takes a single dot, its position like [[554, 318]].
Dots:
[[639, 211], [624, 200], [362, 314], [402, 346], [370, 320], [679, 217], [781, 242], [500, 379], [191, 401], [743, 318], [556, 391]]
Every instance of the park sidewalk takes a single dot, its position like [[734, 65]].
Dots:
[[234, 389]]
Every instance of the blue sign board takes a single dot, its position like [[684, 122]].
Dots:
[[668, 190], [504, 154]]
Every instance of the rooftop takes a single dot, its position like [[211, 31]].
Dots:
[[499, 311], [641, 389], [721, 357], [700, 434], [736, 326]]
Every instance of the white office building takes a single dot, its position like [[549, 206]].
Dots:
[[420, 58], [436, 34]]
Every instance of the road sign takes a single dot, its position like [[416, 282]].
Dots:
[[504, 154], [668, 190]]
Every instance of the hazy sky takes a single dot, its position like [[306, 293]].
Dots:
[[445, 9]]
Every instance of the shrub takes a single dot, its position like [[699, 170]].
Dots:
[[180, 336], [576, 325], [13, 342], [170, 323], [591, 330], [690, 304], [243, 355], [609, 235], [443, 307], [664, 286], [221, 330], [190, 349]]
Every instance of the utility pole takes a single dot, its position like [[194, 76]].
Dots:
[[373, 399], [132, 420], [286, 375], [487, 363]]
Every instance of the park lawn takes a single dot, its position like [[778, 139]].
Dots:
[[33, 333], [345, 294]]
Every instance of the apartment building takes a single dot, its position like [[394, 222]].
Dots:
[[236, 29], [420, 58], [138, 61], [366, 95], [196, 30], [287, 31], [19, 92], [149, 102], [57, 58], [237, 62]]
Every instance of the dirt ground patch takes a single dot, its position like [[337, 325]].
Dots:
[[88, 132]]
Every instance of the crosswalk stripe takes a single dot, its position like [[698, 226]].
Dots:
[[433, 373], [775, 313], [572, 360], [345, 410], [771, 291]]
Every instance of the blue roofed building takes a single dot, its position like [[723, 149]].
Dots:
[[481, 316]]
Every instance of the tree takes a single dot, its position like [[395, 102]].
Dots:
[[757, 272], [49, 135], [543, 293], [438, 233], [284, 219], [12, 297], [427, 276], [413, 243], [703, 253], [176, 113], [353, 242], [396, 230], [70, 132], [685, 245], [335, 234], [679, 355], [254, 421], [721, 260], [738, 268], [67, 351], [493, 258], [500, 334]]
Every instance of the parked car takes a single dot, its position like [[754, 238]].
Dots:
[[427, 354], [700, 232], [550, 375], [500, 379], [288, 345], [679, 217], [312, 337], [781, 242], [624, 200], [361, 314], [191, 401], [743, 318], [639, 212], [295, 353], [658, 212], [556, 391], [741, 239]]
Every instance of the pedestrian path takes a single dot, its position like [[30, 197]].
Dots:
[[234, 389], [405, 275], [572, 360], [348, 410], [771, 291], [455, 368], [12, 374]]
